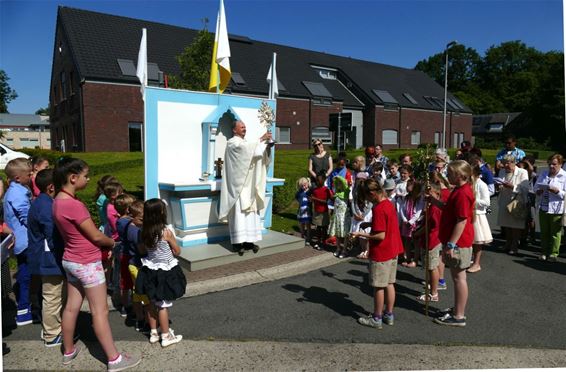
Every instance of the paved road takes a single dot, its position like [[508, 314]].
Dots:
[[514, 302]]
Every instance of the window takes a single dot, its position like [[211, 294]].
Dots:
[[135, 137], [389, 137], [283, 135], [63, 86], [239, 80], [127, 67], [323, 133], [384, 96], [410, 98], [415, 138], [325, 72], [458, 138], [438, 138], [317, 89]]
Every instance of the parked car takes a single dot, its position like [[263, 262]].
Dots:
[[7, 154]]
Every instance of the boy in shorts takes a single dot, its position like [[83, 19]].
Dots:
[[434, 246], [384, 246], [320, 196]]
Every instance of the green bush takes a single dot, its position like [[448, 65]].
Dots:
[[50, 155]]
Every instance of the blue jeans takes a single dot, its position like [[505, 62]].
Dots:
[[23, 281]]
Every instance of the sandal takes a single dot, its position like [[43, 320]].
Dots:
[[431, 298], [473, 269]]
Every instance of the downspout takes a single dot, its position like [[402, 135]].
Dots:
[[81, 114], [400, 126]]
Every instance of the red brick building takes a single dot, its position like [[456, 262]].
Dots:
[[96, 103]]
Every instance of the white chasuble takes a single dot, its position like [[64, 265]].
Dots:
[[242, 195]]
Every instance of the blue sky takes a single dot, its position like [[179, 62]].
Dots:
[[399, 32]]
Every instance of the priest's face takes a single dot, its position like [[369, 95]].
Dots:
[[239, 129]]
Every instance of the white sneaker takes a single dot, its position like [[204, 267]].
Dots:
[[153, 337], [170, 338]]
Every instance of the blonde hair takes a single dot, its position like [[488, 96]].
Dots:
[[301, 181], [362, 160], [372, 185], [461, 168], [123, 203], [17, 166]]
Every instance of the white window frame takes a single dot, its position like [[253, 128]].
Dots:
[[387, 134], [416, 137], [279, 138], [438, 138], [326, 138]]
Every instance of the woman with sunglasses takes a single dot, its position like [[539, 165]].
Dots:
[[320, 162]]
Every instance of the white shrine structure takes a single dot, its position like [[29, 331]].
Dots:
[[185, 137]]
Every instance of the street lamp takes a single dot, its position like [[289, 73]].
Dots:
[[448, 46]]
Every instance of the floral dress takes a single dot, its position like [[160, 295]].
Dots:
[[340, 221]]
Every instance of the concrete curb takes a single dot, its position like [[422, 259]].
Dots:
[[286, 356], [261, 275]]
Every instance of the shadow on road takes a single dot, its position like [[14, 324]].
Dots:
[[336, 301]]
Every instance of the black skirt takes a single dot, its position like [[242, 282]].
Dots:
[[161, 285]]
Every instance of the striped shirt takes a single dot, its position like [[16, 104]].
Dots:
[[160, 256]]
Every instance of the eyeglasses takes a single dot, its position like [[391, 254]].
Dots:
[[318, 144]]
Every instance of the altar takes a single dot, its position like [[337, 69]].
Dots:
[[185, 138]]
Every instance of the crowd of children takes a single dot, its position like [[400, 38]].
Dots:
[[383, 209], [131, 254]]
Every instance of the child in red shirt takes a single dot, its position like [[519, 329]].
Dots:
[[384, 246], [457, 236], [434, 246], [320, 218]]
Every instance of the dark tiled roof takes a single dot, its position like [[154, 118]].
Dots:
[[98, 40], [481, 124]]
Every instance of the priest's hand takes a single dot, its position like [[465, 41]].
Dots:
[[266, 137]]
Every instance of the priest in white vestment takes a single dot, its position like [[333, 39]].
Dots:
[[242, 195]]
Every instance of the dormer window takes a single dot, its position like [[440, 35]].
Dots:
[[326, 72]]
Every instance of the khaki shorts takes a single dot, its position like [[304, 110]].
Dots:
[[320, 219], [461, 259], [434, 257], [381, 274]]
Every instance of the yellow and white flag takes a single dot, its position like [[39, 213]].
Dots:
[[220, 66]]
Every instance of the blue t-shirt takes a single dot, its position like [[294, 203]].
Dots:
[[130, 236]]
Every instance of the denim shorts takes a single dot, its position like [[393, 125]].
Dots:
[[88, 275]]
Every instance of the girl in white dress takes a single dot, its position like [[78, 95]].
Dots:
[[482, 231]]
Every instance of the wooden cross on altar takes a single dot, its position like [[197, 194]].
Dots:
[[218, 165]]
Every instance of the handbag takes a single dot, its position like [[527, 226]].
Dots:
[[517, 209]]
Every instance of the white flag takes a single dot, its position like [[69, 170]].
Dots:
[[220, 55], [272, 79], [141, 72]]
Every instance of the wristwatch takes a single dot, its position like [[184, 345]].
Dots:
[[451, 245]]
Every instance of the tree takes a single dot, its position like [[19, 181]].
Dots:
[[510, 72], [195, 63], [462, 66], [43, 111], [7, 94]]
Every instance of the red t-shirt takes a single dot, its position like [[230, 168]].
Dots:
[[384, 219], [434, 216], [68, 215], [460, 205], [444, 195], [323, 193]]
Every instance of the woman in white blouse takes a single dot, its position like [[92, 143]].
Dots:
[[482, 231], [551, 187], [514, 183]]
